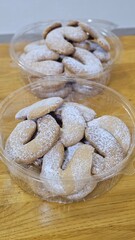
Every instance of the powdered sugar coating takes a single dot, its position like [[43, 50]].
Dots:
[[56, 39], [24, 132], [88, 113], [69, 154], [33, 45], [101, 165], [41, 59], [48, 67], [52, 162], [40, 53], [73, 125], [80, 166], [96, 35], [104, 142], [40, 108], [102, 55], [83, 62], [116, 127], [19, 146], [111, 152], [70, 180]]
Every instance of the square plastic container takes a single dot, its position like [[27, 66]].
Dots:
[[103, 100], [34, 32]]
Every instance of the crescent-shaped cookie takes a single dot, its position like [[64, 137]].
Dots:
[[88, 113], [73, 125], [109, 151], [58, 39], [20, 146], [116, 127], [40, 108], [74, 177], [83, 62], [40, 53], [96, 35], [48, 67]]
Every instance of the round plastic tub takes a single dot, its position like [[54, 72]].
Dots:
[[102, 99], [34, 32]]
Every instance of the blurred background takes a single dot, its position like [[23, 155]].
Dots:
[[14, 14]]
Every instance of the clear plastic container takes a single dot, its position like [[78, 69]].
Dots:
[[102, 99], [33, 33]]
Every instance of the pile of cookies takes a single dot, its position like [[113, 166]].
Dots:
[[70, 148], [76, 48]]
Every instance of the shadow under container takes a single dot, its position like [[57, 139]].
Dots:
[[34, 32], [103, 100]]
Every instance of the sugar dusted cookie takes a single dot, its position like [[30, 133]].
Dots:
[[48, 67], [110, 153], [19, 146], [78, 167], [38, 54], [73, 125], [95, 34], [83, 62], [88, 113], [56, 39], [69, 154], [104, 142], [116, 127], [101, 165], [39, 109]]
